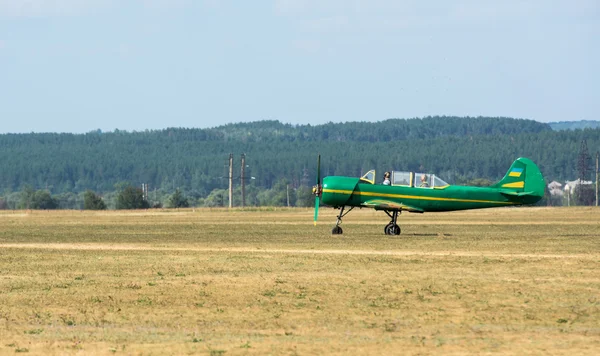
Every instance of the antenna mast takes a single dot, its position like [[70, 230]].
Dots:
[[242, 180]]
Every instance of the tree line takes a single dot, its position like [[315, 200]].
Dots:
[[194, 161], [130, 197]]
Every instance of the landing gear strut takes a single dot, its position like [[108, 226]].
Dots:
[[337, 230], [392, 228]]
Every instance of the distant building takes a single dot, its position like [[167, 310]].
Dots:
[[555, 189], [570, 189], [572, 185]]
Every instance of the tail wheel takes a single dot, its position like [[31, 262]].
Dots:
[[336, 230]]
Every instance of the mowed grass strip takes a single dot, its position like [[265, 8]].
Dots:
[[502, 230], [483, 287]]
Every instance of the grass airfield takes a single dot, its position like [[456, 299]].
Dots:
[[210, 281]]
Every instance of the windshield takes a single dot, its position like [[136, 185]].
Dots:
[[438, 182], [369, 177]]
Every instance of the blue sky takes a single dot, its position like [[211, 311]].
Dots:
[[81, 65]]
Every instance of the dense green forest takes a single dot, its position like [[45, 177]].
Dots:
[[279, 156]]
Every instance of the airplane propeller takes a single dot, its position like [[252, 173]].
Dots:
[[317, 189]]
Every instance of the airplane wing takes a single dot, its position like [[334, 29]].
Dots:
[[382, 204]]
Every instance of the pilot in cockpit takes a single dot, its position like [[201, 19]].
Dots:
[[424, 183], [386, 178]]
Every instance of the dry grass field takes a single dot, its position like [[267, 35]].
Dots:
[[207, 281]]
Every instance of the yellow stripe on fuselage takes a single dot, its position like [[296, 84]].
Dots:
[[417, 197], [515, 174]]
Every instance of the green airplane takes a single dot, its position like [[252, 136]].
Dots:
[[423, 192]]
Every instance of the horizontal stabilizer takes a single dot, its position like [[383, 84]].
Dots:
[[517, 194]]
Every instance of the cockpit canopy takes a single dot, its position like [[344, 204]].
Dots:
[[408, 179]]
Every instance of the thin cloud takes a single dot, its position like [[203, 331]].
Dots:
[[329, 24], [289, 7], [166, 4], [299, 7], [308, 46], [45, 8], [50, 8], [422, 14]]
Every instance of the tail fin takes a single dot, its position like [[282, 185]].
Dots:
[[523, 179]]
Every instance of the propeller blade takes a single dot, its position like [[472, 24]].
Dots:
[[318, 188], [319, 170], [316, 209]]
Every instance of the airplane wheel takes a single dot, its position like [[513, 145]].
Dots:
[[336, 231], [386, 228], [392, 229]]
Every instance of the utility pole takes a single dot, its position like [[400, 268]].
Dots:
[[287, 190], [145, 191], [230, 180], [596, 178], [242, 180]]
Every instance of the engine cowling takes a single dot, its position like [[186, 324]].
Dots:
[[337, 191]]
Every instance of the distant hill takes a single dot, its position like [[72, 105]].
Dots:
[[574, 125], [382, 131]]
